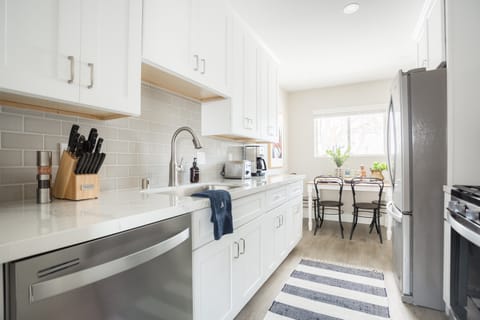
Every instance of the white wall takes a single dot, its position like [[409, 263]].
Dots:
[[301, 106]]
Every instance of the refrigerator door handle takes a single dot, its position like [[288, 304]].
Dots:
[[394, 212]]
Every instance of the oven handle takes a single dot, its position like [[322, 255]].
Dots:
[[463, 230], [49, 288]]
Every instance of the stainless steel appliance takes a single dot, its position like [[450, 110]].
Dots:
[[417, 163], [241, 169], [463, 217], [256, 154], [144, 273]]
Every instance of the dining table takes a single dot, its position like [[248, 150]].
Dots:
[[387, 196]]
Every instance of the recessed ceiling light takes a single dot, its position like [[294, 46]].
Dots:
[[351, 8]]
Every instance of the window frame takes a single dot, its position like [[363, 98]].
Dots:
[[347, 112]]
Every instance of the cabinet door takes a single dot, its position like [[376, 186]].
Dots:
[[238, 118], [269, 260], [250, 106], [40, 47], [272, 103], [422, 48], [247, 267], [212, 280], [111, 54], [281, 234], [166, 35], [294, 223], [209, 41], [262, 92], [436, 39]]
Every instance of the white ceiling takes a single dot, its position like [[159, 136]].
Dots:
[[317, 45]]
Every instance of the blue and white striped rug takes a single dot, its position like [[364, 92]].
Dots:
[[325, 291]]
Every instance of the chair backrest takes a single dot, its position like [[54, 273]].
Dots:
[[328, 180], [367, 181]]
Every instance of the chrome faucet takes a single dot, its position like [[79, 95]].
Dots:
[[172, 177]]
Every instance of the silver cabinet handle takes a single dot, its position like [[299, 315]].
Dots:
[[195, 68], [243, 245], [204, 66], [278, 222], [53, 287], [237, 246], [72, 68], [90, 86], [281, 219]]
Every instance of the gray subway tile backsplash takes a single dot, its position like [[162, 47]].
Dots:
[[21, 141], [136, 147], [41, 125]]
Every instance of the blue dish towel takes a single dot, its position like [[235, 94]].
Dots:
[[221, 204]]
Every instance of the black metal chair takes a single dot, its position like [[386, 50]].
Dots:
[[322, 204], [374, 206]]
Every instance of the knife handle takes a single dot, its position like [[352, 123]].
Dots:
[[80, 163], [98, 147], [100, 162]]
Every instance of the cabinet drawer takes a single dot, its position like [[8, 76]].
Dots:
[[243, 210], [295, 189], [247, 208], [276, 197]]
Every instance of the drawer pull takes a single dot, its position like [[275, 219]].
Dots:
[[243, 246]]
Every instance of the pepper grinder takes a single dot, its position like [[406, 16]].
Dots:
[[44, 176]]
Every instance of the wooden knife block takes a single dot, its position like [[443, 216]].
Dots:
[[71, 186]]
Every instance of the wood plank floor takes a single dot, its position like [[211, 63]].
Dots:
[[364, 250]]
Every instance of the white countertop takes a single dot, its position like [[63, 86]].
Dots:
[[27, 228]]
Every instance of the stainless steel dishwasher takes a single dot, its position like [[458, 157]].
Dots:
[[144, 273]]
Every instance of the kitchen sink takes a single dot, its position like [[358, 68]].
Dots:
[[188, 190]]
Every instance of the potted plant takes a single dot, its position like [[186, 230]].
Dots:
[[339, 158], [377, 169]]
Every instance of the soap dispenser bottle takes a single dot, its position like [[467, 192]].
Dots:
[[194, 172]]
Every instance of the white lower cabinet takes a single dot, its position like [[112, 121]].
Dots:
[[294, 222], [213, 279], [228, 272], [247, 268]]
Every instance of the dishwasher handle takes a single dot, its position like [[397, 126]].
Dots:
[[52, 287]]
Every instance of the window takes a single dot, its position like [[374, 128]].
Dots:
[[363, 133]]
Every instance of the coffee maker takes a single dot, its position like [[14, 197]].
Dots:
[[256, 154]]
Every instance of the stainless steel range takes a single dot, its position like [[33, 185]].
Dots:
[[464, 219]]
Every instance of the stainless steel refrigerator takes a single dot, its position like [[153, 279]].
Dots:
[[417, 160]]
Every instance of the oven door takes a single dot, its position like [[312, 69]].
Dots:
[[465, 269]]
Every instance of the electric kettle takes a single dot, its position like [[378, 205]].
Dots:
[[261, 166]]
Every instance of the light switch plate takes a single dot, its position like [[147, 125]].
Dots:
[[201, 157]]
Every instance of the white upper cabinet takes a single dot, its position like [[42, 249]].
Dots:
[[422, 48], [166, 35], [40, 47], [188, 39], [209, 36], [268, 97], [252, 111], [431, 45], [75, 52], [436, 35], [110, 58]]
